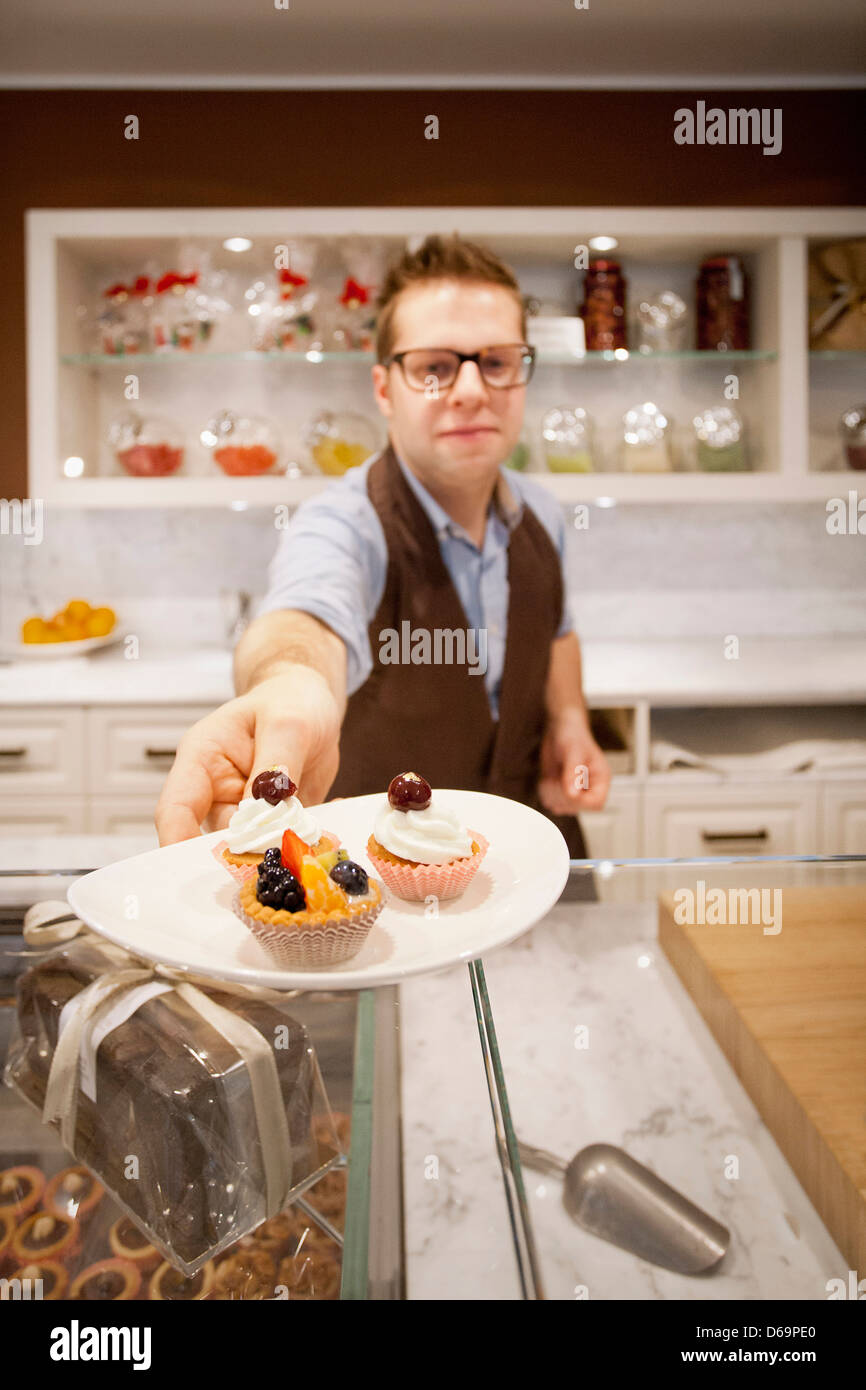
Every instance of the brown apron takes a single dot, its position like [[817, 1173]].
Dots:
[[435, 719]]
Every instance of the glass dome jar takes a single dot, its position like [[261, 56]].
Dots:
[[853, 428], [719, 438], [646, 440], [567, 434], [662, 322], [243, 445], [146, 446], [340, 440]]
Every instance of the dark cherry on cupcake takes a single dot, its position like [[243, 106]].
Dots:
[[409, 792], [273, 786]]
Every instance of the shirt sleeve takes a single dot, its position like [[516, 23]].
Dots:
[[331, 562], [551, 516]]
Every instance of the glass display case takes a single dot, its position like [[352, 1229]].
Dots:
[[698, 1020]]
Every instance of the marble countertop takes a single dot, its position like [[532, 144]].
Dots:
[[683, 672], [652, 1080]]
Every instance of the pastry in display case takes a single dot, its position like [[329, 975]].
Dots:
[[73, 1192], [107, 1281], [21, 1190]]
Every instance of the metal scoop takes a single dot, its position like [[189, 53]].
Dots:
[[613, 1196]]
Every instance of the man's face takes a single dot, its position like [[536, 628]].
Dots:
[[465, 433]]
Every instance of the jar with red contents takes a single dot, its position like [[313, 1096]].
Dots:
[[723, 305], [603, 308], [146, 446], [243, 445]]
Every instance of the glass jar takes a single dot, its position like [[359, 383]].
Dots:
[[603, 308], [242, 445], [568, 440], [719, 440], [662, 323], [176, 322], [723, 305], [340, 440], [146, 446], [646, 440], [853, 428], [123, 325]]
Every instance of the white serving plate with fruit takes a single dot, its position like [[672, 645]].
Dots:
[[173, 906], [74, 630]]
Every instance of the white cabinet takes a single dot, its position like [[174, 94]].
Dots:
[[100, 769], [615, 832], [132, 747], [843, 819], [695, 821], [41, 751]]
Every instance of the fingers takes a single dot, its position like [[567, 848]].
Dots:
[[185, 799], [280, 743]]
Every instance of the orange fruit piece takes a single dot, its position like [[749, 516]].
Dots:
[[100, 622], [320, 890], [77, 609], [33, 630]]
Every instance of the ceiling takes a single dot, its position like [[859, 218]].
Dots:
[[456, 43]]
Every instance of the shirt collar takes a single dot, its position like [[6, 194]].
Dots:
[[508, 507]]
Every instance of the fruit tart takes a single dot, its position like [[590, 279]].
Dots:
[[44, 1236], [21, 1190], [53, 1278], [129, 1243], [168, 1285], [73, 1192], [260, 822], [419, 848], [107, 1281], [309, 908]]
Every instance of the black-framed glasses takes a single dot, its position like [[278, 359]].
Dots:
[[435, 369]]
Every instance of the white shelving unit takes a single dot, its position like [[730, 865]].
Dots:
[[790, 399]]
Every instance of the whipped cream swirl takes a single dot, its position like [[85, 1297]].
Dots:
[[431, 836], [257, 826]]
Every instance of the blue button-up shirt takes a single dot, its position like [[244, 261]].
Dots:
[[332, 561]]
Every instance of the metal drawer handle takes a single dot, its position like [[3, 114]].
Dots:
[[160, 752], [12, 752], [711, 837]]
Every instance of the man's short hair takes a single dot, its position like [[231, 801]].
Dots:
[[440, 258]]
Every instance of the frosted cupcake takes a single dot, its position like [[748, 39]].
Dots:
[[260, 822], [309, 910], [419, 848]]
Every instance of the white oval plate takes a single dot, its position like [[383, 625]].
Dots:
[[46, 651], [173, 905]]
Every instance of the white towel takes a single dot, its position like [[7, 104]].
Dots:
[[805, 755]]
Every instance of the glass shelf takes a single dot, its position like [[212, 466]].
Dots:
[[550, 359], [837, 354]]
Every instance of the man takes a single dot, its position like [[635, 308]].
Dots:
[[432, 533]]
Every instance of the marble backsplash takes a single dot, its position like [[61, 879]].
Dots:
[[635, 572]]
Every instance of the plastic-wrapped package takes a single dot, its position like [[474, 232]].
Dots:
[[201, 1111]]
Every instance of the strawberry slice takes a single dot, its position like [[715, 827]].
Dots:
[[292, 852]]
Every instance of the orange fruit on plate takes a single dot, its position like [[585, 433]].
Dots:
[[100, 622], [77, 609], [33, 630]]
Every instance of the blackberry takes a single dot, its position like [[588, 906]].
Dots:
[[281, 891], [350, 877], [272, 857]]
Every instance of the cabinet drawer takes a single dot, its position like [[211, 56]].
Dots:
[[132, 748], [41, 750], [844, 818], [109, 815], [692, 822], [43, 815]]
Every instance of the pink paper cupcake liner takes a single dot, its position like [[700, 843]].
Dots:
[[239, 872], [431, 880], [312, 949]]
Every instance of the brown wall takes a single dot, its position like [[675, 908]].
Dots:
[[66, 149]]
